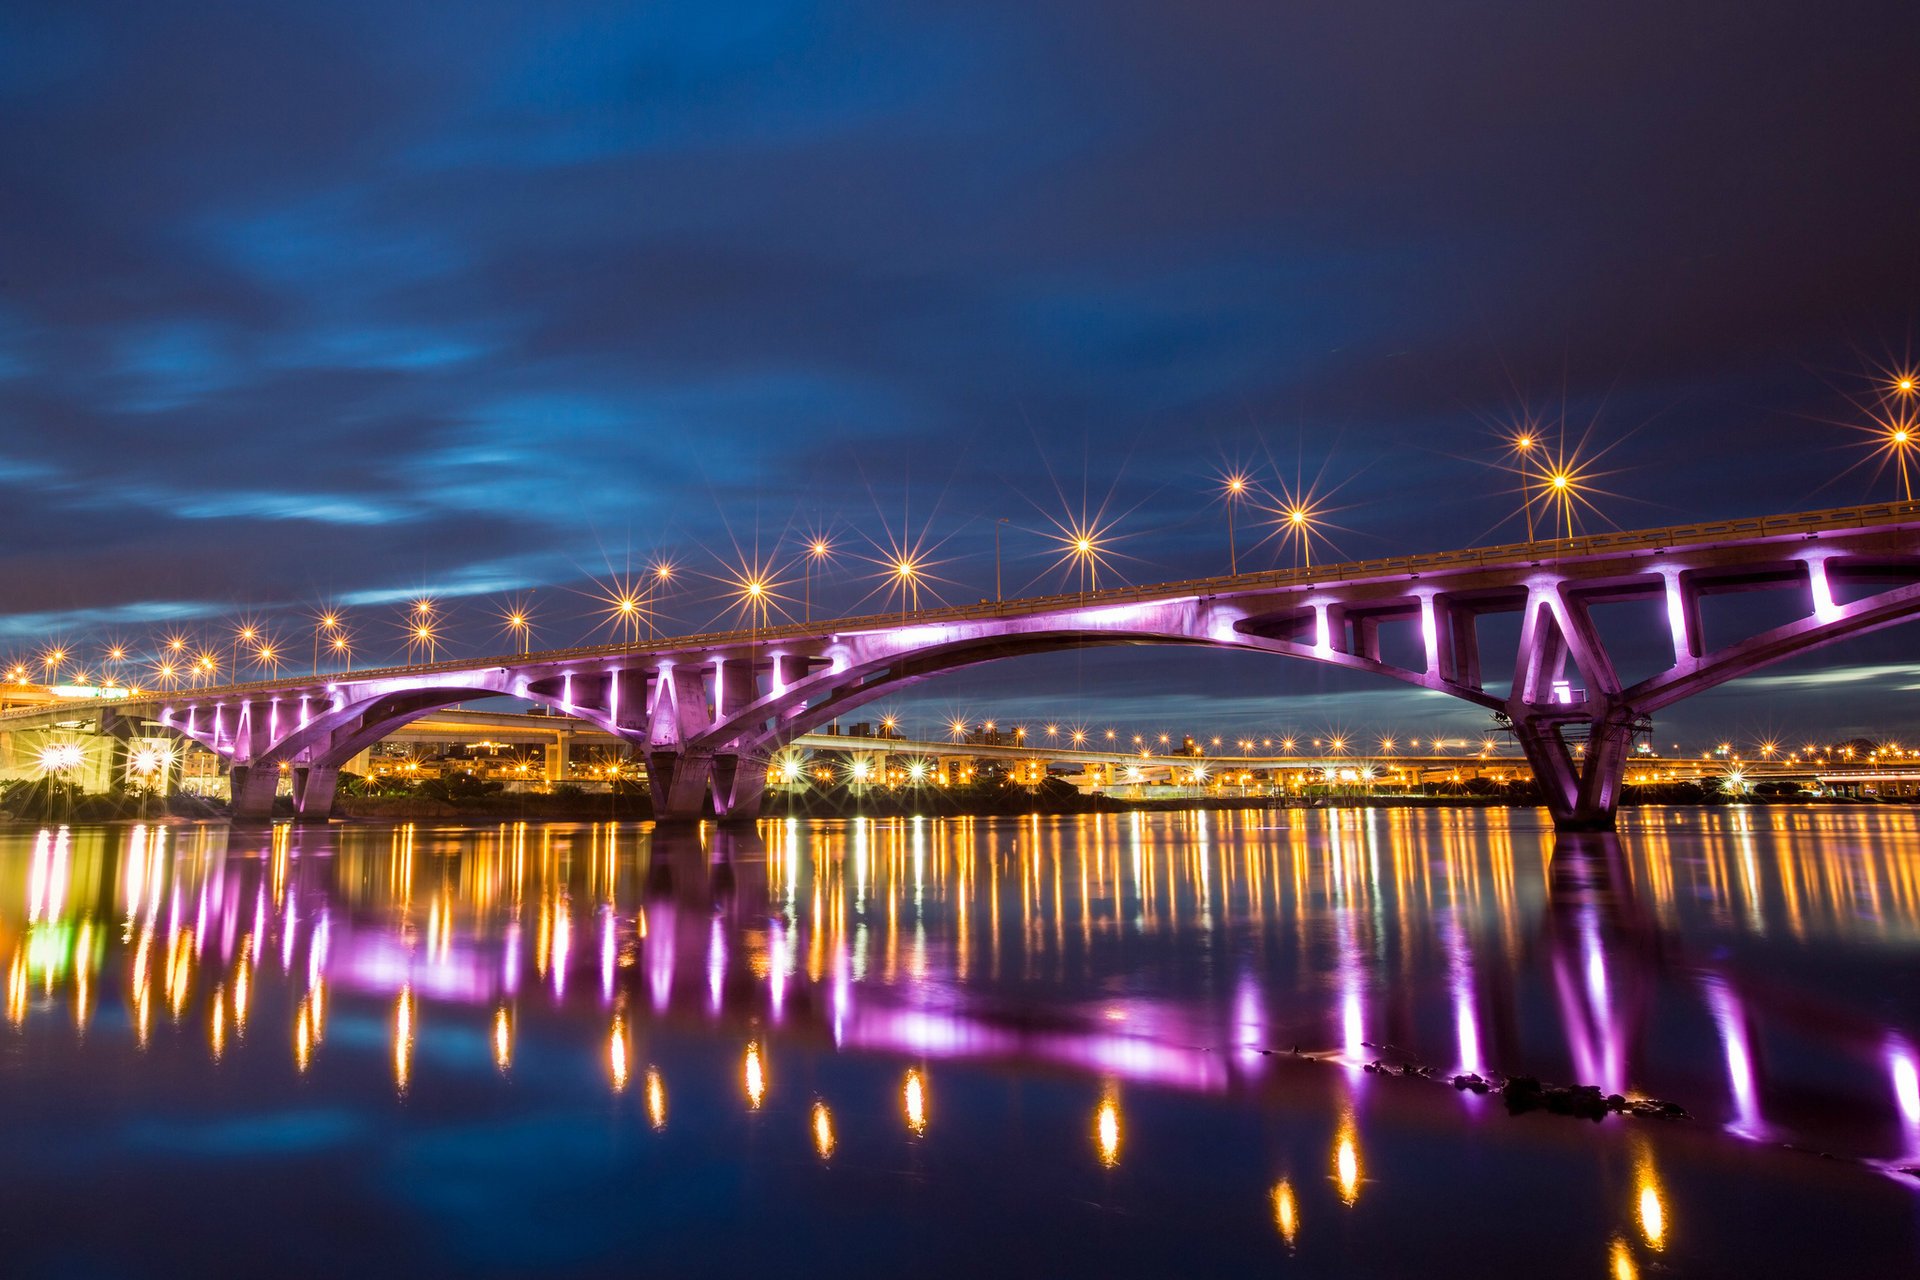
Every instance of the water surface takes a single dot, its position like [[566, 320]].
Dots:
[[1130, 1045]]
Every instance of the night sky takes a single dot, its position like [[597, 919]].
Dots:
[[356, 301]]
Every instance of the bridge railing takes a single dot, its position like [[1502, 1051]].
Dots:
[[1748, 529]]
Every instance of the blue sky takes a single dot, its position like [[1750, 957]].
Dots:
[[355, 301]]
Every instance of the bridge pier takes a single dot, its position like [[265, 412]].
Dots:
[[739, 785], [315, 788], [1581, 791], [252, 788], [678, 783]]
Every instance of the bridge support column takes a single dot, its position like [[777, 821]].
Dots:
[[252, 788], [678, 783], [314, 790], [739, 785], [1582, 793]]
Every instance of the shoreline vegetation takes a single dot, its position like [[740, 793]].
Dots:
[[40, 803]]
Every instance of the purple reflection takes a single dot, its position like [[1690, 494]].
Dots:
[[609, 954], [1250, 1023], [1466, 1023], [1906, 1088], [384, 965], [1730, 1018]]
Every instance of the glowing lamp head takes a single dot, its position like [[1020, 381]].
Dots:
[[1905, 384], [1560, 480], [819, 549]]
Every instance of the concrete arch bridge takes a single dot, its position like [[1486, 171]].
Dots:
[[709, 711]]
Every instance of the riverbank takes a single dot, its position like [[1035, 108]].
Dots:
[[1054, 798]]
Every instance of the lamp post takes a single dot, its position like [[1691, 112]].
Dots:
[[817, 552], [996, 557], [1233, 488]]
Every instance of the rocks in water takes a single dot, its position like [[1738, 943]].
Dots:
[[1527, 1093]]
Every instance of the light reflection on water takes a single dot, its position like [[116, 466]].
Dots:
[[1745, 963]]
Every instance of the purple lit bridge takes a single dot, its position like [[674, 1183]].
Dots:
[[708, 712]]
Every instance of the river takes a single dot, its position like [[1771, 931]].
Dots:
[[1110, 1044]]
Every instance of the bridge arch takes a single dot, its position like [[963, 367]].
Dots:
[[317, 741], [735, 750]]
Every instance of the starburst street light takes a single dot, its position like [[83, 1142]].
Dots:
[[516, 621], [753, 592], [325, 623], [422, 637], [819, 554], [246, 633], [1298, 522], [660, 576], [1521, 445], [1234, 487], [1566, 486], [267, 657], [341, 646], [1083, 546], [1896, 436], [623, 605]]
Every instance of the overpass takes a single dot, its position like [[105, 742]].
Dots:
[[709, 712]]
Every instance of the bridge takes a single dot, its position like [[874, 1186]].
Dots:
[[708, 712]]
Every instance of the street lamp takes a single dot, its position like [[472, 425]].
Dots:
[[327, 621], [996, 557], [1233, 489], [818, 551], [662, 579]]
